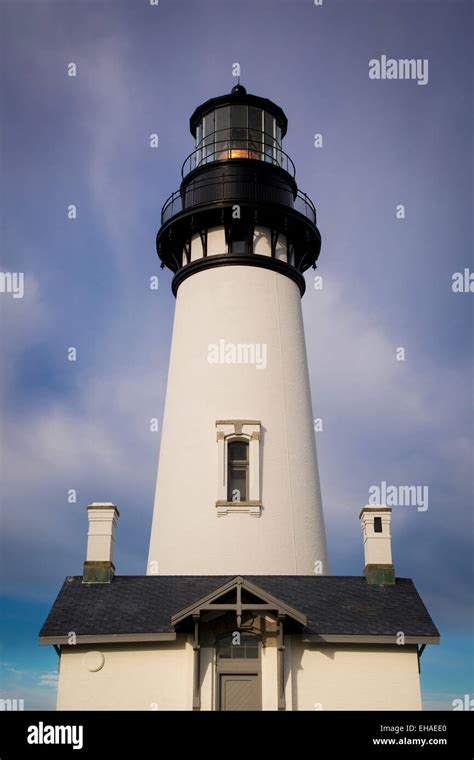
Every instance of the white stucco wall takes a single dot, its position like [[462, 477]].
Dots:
[[238, 304], [133, 677], [352, 677], [317, 677]]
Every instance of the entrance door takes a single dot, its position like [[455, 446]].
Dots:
[[239, 692], [239, 672]]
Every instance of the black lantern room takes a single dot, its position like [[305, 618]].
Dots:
[[239, 178]]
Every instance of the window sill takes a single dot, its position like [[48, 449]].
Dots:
[[253, 508]]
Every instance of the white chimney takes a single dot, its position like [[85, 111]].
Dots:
[[375, 522], [99, 564]]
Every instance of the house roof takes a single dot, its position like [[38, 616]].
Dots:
[[142, 607]]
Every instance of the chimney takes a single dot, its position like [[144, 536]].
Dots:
[[99, 566], [375, 523]]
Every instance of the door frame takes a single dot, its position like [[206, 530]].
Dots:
[[236, 666]]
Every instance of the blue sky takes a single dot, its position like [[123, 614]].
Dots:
[[84, 425]]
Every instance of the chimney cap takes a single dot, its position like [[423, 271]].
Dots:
[[374, 508], [103, 505]]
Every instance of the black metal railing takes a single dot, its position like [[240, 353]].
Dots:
[[237, 188], [239, 143]]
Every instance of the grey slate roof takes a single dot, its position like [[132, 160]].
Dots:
[[334, 605]]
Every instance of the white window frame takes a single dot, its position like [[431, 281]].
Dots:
[[230, 430]]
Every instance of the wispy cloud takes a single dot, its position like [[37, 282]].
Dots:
[[49, 680]]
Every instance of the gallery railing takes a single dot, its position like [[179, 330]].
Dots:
[[243, 188], [238, 143]]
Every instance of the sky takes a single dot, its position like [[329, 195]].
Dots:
[[387, 281]]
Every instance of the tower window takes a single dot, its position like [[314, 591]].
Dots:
[[377, 525], [237, 470], [238, 467], [239, 244], [238, 238]]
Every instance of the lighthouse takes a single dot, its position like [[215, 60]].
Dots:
[[237, 610], [238, 487]]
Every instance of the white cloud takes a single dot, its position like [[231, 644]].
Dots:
[[49, 679], [402, 422]]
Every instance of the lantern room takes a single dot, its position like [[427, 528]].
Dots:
[[238, 202], [238, 126]]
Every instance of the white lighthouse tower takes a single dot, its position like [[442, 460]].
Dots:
[[237, 610], [238, 487]]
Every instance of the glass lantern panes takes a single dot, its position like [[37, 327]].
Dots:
[[269, 137], [222, 132], [279, 154], [238, 131], [198, 144], [255, 131], [209, 137]]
